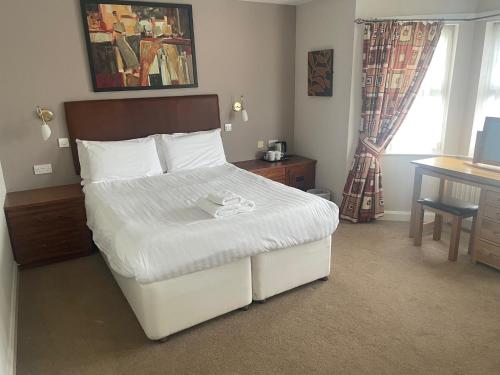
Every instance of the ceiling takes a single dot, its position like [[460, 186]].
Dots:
[[282, 2]]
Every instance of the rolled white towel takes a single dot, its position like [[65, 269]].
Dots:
[[217, 211], [225, 198]]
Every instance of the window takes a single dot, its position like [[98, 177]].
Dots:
[[488, 99], [422, 132]]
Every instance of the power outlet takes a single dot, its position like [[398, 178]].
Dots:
[[228, 127], [63, 142], [42, 168], [260, 144]]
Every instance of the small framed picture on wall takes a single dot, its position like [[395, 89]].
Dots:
[[320, 73], [138, 45]]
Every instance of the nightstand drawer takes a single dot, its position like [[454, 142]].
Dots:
[[490, 231], [45, 232], [492, 198], [275, 174], [488, 253], [491, 212]]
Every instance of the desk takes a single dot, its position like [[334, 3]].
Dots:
[[486, 248]]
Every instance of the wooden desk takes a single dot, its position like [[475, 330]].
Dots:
[[486, 248]]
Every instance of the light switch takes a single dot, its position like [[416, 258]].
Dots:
[[228, 127], [63, 142], [260, 144], [42, 168]]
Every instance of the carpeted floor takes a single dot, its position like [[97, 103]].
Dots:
[[389, 308]]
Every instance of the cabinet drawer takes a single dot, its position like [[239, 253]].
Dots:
[[50, 231], [301, 176], [491, 212], [275, 174], [492, 198], [490, 231], [488, 253]]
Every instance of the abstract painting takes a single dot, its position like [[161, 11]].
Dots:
[[320, 73], [139, 46]]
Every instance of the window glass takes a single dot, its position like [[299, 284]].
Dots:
[[422, 132]]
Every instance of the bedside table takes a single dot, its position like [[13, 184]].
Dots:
[[47, 225], [296, 171]]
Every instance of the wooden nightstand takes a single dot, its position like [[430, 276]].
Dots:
[[296, 171], [47, 225]]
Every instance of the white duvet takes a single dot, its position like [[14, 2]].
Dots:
[[150, 228]]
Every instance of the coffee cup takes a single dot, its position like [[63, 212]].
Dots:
[[270, 156]]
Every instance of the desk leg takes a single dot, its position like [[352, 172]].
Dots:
[[438, 221], [417, 188]]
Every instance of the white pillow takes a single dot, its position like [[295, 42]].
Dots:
[[118, 160], [159, 151], [193, 150]]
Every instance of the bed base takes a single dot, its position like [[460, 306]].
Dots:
[[169, 306], [281, 270]]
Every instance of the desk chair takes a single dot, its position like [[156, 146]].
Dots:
[[456, 211]]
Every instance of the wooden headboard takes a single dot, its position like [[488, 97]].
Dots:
[[120, 119]]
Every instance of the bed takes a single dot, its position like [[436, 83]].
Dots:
[[177, 266]]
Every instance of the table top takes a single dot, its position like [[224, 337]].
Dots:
[[257, 164], [30, 198], [461, 169]]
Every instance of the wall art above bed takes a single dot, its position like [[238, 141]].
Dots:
[[138, 45]]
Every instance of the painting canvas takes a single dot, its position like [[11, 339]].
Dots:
[[139, 46], [320, 72]]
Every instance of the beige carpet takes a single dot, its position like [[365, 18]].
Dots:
[[390, 308]]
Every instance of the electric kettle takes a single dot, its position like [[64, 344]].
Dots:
[[281, 147]]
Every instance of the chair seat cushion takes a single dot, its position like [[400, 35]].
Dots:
[[454, 207]]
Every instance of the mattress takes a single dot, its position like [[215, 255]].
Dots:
[[150, 228]]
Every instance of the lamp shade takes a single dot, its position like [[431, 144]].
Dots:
[[244, 115], [46, 132]]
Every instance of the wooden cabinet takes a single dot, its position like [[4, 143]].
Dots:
[[487, 241], [47, 225], [296, 171]]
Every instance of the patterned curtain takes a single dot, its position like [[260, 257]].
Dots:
[[396, 56]]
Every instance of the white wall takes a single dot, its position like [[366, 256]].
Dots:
[[6, 297], [321, 124]]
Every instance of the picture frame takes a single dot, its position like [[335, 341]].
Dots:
[[320, 72], [135, 45]]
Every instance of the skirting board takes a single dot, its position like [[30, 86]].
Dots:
[[428, 218], [12, 349], [403, 216]]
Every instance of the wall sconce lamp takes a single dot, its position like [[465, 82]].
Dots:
[[238, 107], [45, 115]]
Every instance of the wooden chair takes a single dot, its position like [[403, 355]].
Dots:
[[456, 211]]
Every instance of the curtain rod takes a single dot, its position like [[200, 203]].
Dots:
[[361, 21]]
